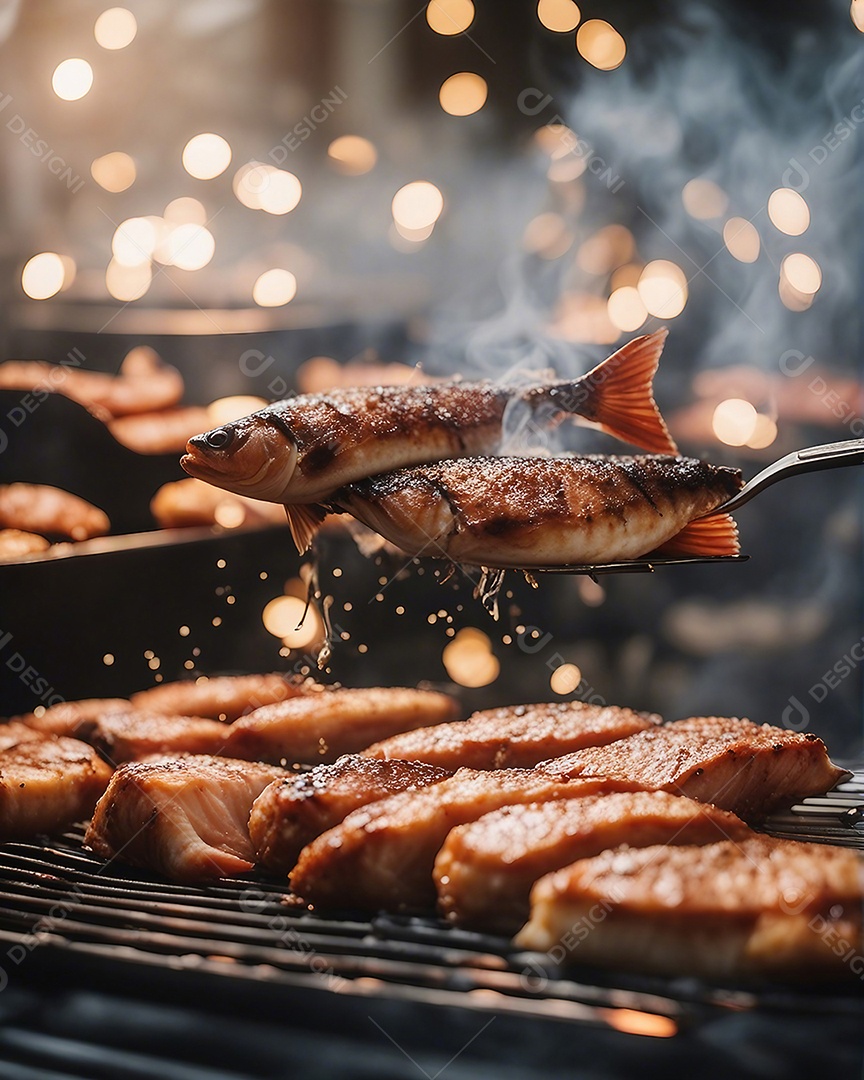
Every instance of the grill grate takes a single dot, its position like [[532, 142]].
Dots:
[[73, 906]]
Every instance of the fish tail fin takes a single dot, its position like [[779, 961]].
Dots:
[[305, 520], [716, 534], [618, 395]]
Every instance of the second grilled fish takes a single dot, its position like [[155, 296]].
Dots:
[[532, 512]]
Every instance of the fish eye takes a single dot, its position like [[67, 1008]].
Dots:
[[220, 438]]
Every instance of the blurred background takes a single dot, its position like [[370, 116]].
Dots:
[[287, 196]]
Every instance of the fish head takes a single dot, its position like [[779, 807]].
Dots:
[[254, 456]]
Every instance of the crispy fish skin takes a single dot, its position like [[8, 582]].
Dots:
[[514, 737], [185, 818], [321, 727], [292, 812], [300, 451], [485, 870], [382, 855], [757, 906], [222, 697], [524, 512], [735, 764], [46, 784]]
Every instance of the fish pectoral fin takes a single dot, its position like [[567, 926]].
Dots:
[[618, 395], [713, 535], [305, 519]]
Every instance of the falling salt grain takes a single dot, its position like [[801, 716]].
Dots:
[[108, 659], [184, 631]]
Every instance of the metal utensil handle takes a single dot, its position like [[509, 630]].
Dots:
[[811, 459]]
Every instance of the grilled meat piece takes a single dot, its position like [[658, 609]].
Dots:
[[46, 784], [382, 855], [75, 718], [748, 768], [50, 511], [517, 736], [224, 697], [14, 731], [185, 817], [757, 906], [485, 870], [291, 812], [320, 727]]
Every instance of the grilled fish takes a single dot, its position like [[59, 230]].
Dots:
[[290, 813], [185, 818], [225, 697], [511, 512], [514, 737], [300, 451], [735, 764], [46, 784], [754, 906], [485, 870], [320, 727], [382, 855]]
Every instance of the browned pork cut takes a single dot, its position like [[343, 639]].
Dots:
[[186, 817], [748, 768], [382, 855], [517, 736], [74, 718], [321, 727], [753, 906], [291, 812], [224, 697], [46, 784], [485, 870]]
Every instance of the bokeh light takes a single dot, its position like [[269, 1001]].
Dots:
[[352, 155], [274, 288], [562, 16], [449, 17], [128, 283], [281, 618], [134, 242], [741, 239], [789, 211], [463, 94], [469, 660], [548, 236], [601, 44], [72, 79], [185, 211], [281, 193], [417, 205], [663, 288], [114, 172], [734, 421], [189, 247], [565, 679], [703, 199], [802, 273], [43, 275], [224, 410], [764, 433], [206, 156], [626, 308], [115, 28], [609, 247]]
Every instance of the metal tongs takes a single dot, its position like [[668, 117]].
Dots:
[[811, 459]]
